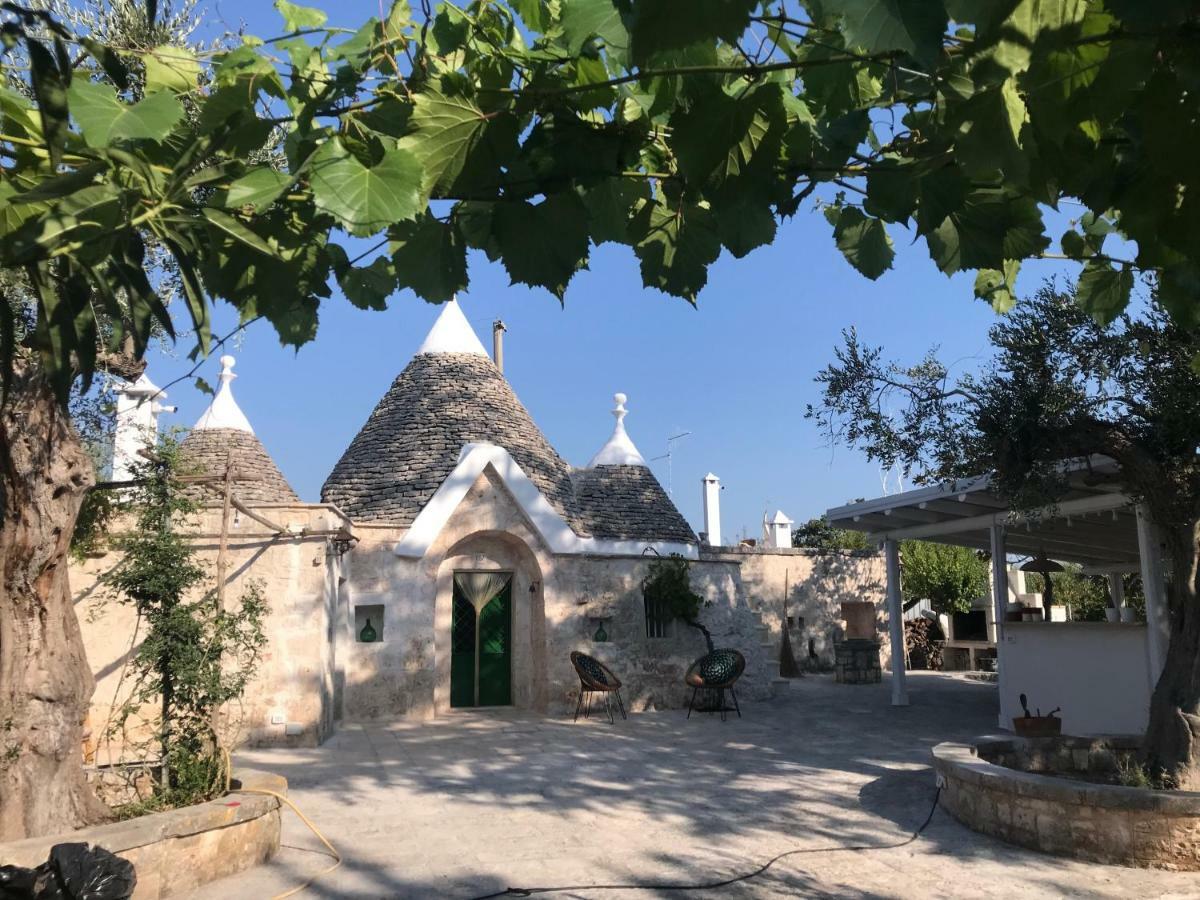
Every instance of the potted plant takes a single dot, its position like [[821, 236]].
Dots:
[[1032, 726]]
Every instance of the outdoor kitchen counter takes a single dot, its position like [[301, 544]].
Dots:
[[1075, 666]]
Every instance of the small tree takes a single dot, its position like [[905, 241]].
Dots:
[[668, 589], [196, 656], [951, 578]]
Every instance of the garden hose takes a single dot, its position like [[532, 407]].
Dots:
[[337, 857], [716, 885]]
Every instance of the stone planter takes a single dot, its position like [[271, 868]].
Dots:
[[1037, 726], [1064, 816], [179, 850]]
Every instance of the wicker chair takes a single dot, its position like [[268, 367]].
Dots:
[[717, 671], [595, 678]]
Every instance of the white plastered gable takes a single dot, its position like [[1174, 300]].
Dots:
[[546, 520]]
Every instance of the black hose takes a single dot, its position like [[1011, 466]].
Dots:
[[715, 885]]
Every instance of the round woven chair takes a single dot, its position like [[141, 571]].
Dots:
[[717, 671], [595, 678]]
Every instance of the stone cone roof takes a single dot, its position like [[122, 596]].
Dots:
[[412, 441], [626, 503], [205, 450]]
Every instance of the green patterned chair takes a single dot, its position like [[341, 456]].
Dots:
[[718, 672], [595, 678]]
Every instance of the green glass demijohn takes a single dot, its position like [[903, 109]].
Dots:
[[601, 636], [368, 635]]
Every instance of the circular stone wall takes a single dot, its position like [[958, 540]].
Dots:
[[1063, 816]]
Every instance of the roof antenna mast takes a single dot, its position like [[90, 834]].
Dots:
[[668, 457]]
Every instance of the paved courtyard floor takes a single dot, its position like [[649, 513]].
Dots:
[[475, 802]]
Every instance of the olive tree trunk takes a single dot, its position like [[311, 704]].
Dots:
[[1173, 735], [45, 680]]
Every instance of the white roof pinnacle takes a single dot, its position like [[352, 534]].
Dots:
[[452, 333], [224, 412], [780, 519], [619, 451]]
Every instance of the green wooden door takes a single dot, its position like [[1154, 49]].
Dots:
[[462, 652], [495, 650], [481, 651]]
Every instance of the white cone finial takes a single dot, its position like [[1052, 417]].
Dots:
[[452, 333], [620, 450], [224, 412]]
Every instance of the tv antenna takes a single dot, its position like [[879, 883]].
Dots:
[[667, 456]]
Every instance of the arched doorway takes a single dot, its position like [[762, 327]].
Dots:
[[489, 625], [481, 639]]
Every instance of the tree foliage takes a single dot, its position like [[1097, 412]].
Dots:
[[818, 534], [194, 656], [535, 130], [951, 578]]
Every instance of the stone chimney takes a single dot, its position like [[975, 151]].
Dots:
[[712, 509], [778, 531], [498, 329], [138, 409]]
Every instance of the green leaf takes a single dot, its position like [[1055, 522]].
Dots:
[[430, 258], [542, 245], [1103, 290], [744, 222], [719, 135], [457, 143], [610, 204], [104, 119], [998, 286], [661, 26], [258, 188], [299, 18], [366, 200], [236, 230], [86, 218], [864, 242], [914, 26], [203, 386], [676, 245], [990, 227], [172, 69], [110, 61], [584, 19], [50, 90], [369, 287]]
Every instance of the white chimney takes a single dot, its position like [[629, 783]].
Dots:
[[138, 409], [712, 509], [498, 329], [779, 531]]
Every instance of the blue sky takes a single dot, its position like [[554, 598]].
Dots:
[[737, 372]]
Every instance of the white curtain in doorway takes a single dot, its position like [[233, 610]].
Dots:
[[481, 587]]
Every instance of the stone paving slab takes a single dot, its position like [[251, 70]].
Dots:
[[478, 801]]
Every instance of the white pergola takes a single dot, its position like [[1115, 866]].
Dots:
[[1095, 525]]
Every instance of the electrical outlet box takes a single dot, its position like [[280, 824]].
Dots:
[[293, 728], [278, 718]]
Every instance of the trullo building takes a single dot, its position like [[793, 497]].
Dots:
[[456, 559]]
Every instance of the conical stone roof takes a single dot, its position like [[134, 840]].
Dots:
[[412, 441], [222, 436]]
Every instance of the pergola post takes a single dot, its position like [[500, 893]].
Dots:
[[891, 552], [1154, 587], [999, 601], [999, 581]]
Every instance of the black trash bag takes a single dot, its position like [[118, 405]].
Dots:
[[73, 872], [92, 873]]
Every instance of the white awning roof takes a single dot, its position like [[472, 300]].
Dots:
[[1094, 525]]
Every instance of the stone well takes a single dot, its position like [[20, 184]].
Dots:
[[1000, 787]]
